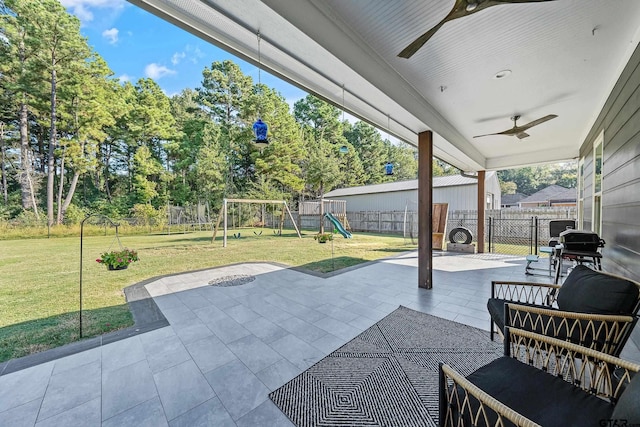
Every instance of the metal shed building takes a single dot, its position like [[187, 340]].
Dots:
[[460, 192]]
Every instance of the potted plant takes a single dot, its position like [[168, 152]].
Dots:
[[323, 237], [118, 260]]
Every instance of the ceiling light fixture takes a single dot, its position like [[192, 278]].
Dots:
[[502, 74], [471, 5]]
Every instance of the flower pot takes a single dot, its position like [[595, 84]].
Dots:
[[322, 241], [118, 267]]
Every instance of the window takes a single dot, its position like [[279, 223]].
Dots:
[[580, 212], [598, 154], [489, 200]]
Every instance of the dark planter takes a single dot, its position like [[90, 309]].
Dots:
[[112, 267], [322, 241]]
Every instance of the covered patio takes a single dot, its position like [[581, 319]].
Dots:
[[495, 85], [226, 348]]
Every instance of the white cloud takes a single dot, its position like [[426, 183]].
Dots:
[[111, 35], [195, 54], [156, 71], [83, 8], [177, 57], [191, 53], [124, 78]]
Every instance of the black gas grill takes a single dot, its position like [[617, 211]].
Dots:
[[580, 247], [581, 241]]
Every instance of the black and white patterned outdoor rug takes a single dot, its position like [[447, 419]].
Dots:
[[386, 376]]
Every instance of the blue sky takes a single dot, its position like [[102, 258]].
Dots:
[[137, 44]]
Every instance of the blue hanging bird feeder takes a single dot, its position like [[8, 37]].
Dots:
[[388, 168], [260, 129]]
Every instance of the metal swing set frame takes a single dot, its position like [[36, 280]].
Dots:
[[224, 212]]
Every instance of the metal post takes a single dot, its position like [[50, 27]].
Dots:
[[333, 264], [490, 232], [531, 236], [535, 225], [81, 246], [81, 236], [224, 235]]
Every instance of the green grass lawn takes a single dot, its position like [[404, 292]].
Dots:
[[39, 278]]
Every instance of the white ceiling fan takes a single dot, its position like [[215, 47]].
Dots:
[[519, 131]]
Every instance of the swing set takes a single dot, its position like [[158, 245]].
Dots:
[[224, 213]]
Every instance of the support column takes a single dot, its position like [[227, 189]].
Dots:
[[481, 206], [425, 201]]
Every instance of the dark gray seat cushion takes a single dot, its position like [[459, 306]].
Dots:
[[541, 397], [628, 406], [588, 291]]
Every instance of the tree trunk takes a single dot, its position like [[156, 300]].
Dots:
[[26, 186], [107, 160], [60, 187], [51, 161], [5, 193], [41, 155], [72, 190]]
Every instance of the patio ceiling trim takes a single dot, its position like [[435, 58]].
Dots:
[[232, 26]]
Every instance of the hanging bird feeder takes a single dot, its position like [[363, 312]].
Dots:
[[344, 149], [388, 168], [260, 128]]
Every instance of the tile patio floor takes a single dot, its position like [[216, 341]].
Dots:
[[226, 348]]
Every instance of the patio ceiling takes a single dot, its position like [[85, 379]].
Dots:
[[564, 57]]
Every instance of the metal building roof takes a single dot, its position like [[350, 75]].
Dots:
[[438, 181]]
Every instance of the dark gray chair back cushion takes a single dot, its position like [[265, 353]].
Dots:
[[589, 291]]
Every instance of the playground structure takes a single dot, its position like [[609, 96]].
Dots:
[[333, 210], [225, 211], [346, 234], [190, 217]]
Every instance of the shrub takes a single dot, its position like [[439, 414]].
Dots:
[[146, 214], [323, 237], [73, 215]]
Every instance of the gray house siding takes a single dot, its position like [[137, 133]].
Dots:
[[620, 120]]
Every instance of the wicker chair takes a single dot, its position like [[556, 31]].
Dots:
[[592, 308], [542, 381]]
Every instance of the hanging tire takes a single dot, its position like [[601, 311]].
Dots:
[[460, 235]]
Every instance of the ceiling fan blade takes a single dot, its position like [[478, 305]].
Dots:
[[507, 132], [519, 1], [536, 122], [458, 11], [410, 50]]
